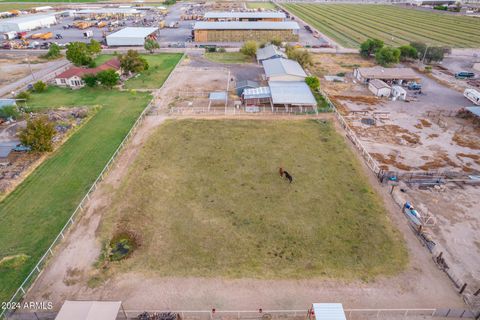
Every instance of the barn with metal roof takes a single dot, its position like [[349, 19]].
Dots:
[[245, 16]]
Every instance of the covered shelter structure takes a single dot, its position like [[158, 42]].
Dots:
[[27, 22], [388, 75], [283, 70], [239, 31], [245, 84], [255, 98], [245, 16], [131, 36], [327, 311], [270, 52], [217, 97], [379, 88], [90, 310], [117, 13], [292, 95]]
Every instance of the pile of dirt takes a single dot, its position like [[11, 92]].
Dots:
[[423, 124]]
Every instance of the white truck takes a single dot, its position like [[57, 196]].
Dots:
[[472, 95], [88, 34]]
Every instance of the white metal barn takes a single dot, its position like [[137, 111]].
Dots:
[[283, 70], [27, 23], [379, 88], [130, 36]]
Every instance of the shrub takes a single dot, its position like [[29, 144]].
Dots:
[[303, 57], [24, 95], [150, 45], [276, 42], [38, 134], [108, 78], [408, 52], [221, 50], [313, 82], [249, 48], [90, 80], [39, 86], [9, 112], [53, 52]]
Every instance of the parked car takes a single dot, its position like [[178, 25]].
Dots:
[[464, 75]]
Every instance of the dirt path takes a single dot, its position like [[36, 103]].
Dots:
[[420, 286]]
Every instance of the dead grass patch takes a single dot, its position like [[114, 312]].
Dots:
[[392, 134], [467, 141], [424, 123], [390, 160], [369, 100], [440, 160], [474, 157]]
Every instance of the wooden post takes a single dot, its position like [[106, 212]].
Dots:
[[463, 288]]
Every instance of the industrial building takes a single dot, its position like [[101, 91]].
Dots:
[[270, 52], [283, 70], [205, 31], [245, 16], [389, 75], [117, 13], [27, 22], [130, 36]]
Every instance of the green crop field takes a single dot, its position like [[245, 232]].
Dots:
[[261, 5], [33, 214], [212, 187], [351, 24]]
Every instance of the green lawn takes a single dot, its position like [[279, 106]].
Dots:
[[206, 200], [261, 5], [228, 57], [33, 214], [160, 67], [351, 24]]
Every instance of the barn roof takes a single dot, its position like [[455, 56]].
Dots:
[[236, 25], [378, 72], [269, 52], [328, 311], [280, 66], [89, 310], [379, 84], [291, 92], [257, 93], [241, 15]]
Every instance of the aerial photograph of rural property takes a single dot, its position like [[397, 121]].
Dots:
[[240, 159]]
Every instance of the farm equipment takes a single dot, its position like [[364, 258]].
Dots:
[[414, 86], [464, 75], [472, 95], [36, 36], [101, 24], [58, 36], [82, 25], [46, 36], [161, 24]]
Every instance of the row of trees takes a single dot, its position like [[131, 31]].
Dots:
[[385, 55]]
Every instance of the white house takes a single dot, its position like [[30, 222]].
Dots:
[[379, 88], [398, 93], [283, 70]]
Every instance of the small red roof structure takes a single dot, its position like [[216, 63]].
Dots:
[[113, 63]]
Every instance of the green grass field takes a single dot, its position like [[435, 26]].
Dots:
[[206, 199], [160, 67], [351, 24], [227, 57], [33, 214], [261, 5]]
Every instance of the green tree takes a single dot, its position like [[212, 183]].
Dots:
[[132, 62], [38, 134], [94, 47], [24, 95], [249, 48], [150, 45], [276, 42], [435, 54], [90, 80], [78, 54], [108, 78], [39, 86], [408, 52], [420, 47], [53, 51], [313, 82], [387, 55], [303, 57], [7, 112], [370, 46]]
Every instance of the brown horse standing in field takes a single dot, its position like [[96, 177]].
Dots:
[[286, 174]]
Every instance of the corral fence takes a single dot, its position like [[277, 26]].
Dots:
[[37, 270], [351, 314]]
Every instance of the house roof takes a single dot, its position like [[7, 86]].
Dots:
[[236, 25], [379, 84], [133, 32], [257, 93], [291, 92], [246, 83], [378, 72], [240, 15], [269, 52], [329, 311], [281, 66], [113, 63], [89, 310]]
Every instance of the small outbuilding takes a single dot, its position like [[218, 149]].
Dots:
[[255, 98], [91, 310], [283, 70], [398, 93], [327, 311], [270, 52], [130, 36], [245, 84], [379, 88]]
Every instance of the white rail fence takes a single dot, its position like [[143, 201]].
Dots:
[[22, 290]]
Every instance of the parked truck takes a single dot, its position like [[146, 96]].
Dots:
[[88, 34], [46, 36], [472, 95], [464, 75]]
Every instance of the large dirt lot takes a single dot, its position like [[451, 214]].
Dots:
[[424, 134], [14, 66], [74, 273]]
